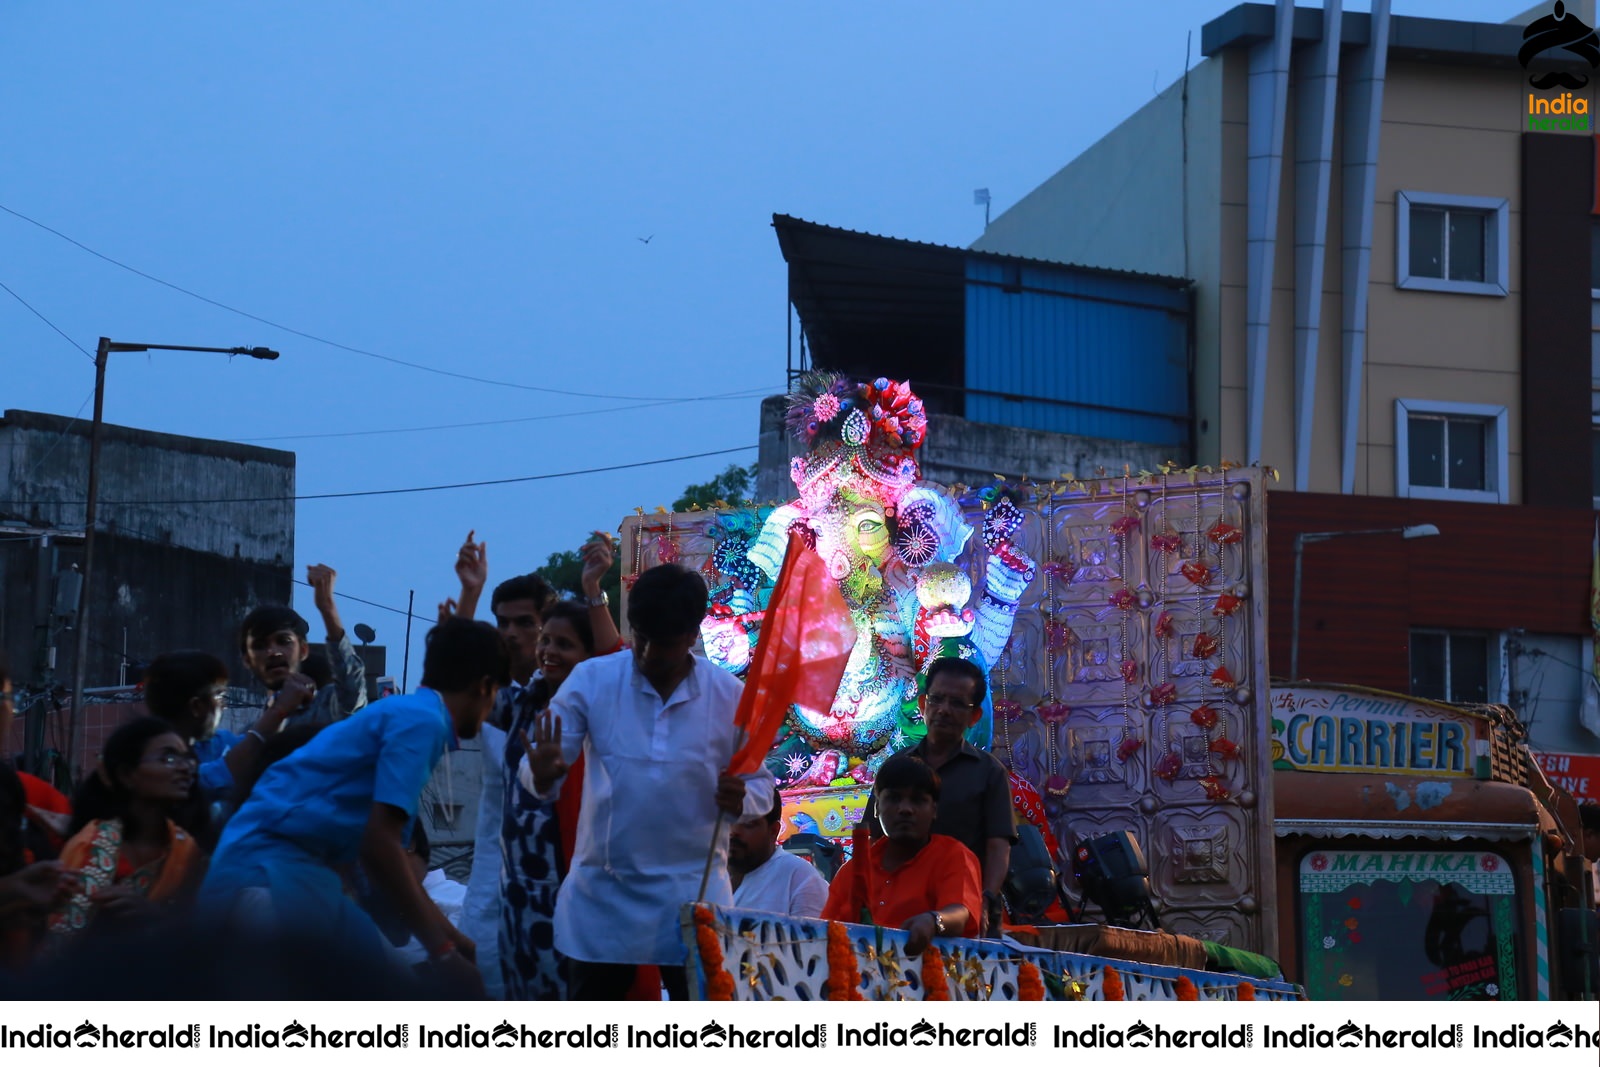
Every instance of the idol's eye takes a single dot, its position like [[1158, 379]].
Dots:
[[869, 526]]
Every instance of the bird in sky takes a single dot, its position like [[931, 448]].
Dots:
[[645, 240]]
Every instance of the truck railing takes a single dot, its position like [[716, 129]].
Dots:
[[736, 954]]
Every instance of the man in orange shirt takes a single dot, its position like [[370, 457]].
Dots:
[[925, 883]]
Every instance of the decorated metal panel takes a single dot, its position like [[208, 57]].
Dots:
[[753, 955]]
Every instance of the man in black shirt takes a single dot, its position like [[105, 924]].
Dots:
[[975, 791]]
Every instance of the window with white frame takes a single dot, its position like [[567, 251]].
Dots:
[[1452, 244], [1451, 665], [1450, 451]]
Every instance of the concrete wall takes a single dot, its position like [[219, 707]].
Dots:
[[958, 451], [45, 460], [167, 575]]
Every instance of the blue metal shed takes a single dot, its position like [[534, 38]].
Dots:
[[997, 339]]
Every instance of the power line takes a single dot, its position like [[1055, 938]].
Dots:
[[412, 489], [131, 534], [313, 337], [40, 315], [742, 395], [77, 417]]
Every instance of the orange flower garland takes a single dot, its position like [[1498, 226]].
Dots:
[[1030, 983], [1246, 991], [1186, 989], [719, 983], [844, 980], [1111, 984], [934, 986]]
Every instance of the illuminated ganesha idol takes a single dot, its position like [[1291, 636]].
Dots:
[[891, 544]]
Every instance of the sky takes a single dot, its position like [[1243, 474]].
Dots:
[[468, 187]]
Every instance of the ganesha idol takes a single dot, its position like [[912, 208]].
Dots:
[[892, 545]]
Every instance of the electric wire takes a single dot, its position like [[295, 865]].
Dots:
[[40, 316], [318, 339], [409, 489], [742, 395]]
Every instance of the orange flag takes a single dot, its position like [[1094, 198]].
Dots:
[[805, 642]]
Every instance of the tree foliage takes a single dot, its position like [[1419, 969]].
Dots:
[[734, 485], [564, 570]]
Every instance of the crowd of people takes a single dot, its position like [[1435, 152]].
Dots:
[[603, 791]]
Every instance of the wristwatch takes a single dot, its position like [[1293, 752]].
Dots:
[[938, 923], [597, 601]]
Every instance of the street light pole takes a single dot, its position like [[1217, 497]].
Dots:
[[1426, 529], [80, 666]]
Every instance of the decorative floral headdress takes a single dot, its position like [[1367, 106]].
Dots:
[[872, 428]]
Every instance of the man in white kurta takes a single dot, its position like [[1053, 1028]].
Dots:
[[656, 728]]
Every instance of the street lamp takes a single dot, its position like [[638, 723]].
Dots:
[[1301, 540], [90, 508]]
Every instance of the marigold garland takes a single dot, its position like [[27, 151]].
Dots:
[[1030, 983], [719, 983], [1111, 984], [1186, 989], [934, 986], [844, 979], [1246, 991]]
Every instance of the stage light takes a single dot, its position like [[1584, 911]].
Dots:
[[1111, 872]]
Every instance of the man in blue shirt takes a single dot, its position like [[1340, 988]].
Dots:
[[350, 794]]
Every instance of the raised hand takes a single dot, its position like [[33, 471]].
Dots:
[[597, 556], [321, 577], [545, 761], [472, 563], [730, 794], [447, 610]]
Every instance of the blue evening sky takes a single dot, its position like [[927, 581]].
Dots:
[[464, 186]]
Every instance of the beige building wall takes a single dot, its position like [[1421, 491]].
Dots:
[[1445, 130]]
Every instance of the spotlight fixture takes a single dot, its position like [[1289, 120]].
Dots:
[[1111, 872]]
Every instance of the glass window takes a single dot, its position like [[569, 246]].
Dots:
[[1427, 242], [1466, 245], [1467, 439], [1445, 447], [1425, 441], [1428, 665], [1430, 924], [1451, 244], [1447, 665]]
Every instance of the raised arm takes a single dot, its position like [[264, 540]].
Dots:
[[598, 554], [472, 568], [348, 669]]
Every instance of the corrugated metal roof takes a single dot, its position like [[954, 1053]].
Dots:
[[783, 223]]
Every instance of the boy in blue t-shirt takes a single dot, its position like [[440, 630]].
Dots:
[[350, 794]]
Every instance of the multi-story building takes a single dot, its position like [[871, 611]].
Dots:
[[1394, 307]]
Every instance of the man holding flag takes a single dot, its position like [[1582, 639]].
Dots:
[[671, 751]]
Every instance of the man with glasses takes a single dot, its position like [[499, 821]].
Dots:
[[975, 789], [188, 688]]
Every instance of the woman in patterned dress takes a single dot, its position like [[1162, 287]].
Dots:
[[534, 859], [126, 847]]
